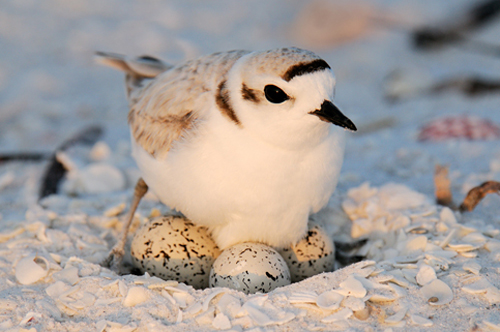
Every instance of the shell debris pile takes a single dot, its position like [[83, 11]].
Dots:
[[421, 258]]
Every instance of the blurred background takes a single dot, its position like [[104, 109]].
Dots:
[[393, 75]]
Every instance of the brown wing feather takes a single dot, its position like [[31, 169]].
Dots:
[[168, 107]]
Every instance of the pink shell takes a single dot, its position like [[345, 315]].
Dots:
[[469, 127]]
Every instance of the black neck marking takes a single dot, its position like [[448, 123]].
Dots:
[[222, 100]]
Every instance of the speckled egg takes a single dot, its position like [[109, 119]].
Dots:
[[313, 254], [250, 268], [173, 248]]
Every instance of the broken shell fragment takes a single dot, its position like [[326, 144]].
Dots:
[[421, 321], [472, 267], [303, 297], [135, 296], [329, 300], [425, 275], [437, 293], [352, 287], [31, 269], [397, 317], [338, 316]]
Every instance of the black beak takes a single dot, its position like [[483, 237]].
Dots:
[[330, 113]]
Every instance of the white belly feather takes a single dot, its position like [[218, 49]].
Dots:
[[243, 189]]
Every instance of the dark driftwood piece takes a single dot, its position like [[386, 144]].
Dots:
[[55, 170], [454, 29], [23, 156], [476, 194]]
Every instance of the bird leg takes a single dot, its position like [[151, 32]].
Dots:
[[116, 254]]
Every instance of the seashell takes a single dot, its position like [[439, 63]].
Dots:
[[412, 258], [229, 305], [417, 229], [7, 305], [469, 254], [363, 264], [193, 309], [181, 299], [362, 314], [448, 238], [115, 210], [447, 216], [69, 274], [353, 303], [260, 318], [405, 266], [382, 278], [480, 286], [369, 284], [424, 211], [491, 325], [100, 151], [340, 315], [399, 291], [425, 275], [464, 230], [410, 274], [383, 298], [57, 289], [397, 317], [437, 293], [105, 302], [167, 295], [421, 321], [30, 316], [492, 245], [441, 227], [206, 318], [31, 269], [472, 266], [122, 288], [491, 231], [459, 126], [362, 193], [474, 238], [463, 247], [493, 295], [367, 271], [221, 322], [85, 301], [303, 297], [4, 237], [399, 280], [136, 295], [352, 287], [329, 300], [416, 243], [210, 297]]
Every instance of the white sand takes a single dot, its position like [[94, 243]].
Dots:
[[50, 89]]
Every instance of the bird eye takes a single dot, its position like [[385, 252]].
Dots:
[[274, 94]]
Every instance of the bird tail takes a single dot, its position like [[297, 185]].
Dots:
[[136, 69]]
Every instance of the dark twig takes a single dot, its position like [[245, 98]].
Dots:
[[55, 170], [28, 156], [453, 31]]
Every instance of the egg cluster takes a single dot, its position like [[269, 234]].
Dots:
[[174, 248]]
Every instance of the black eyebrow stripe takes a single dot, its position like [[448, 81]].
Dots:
[[305, 68]]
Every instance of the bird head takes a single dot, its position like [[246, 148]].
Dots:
[[284, 97]]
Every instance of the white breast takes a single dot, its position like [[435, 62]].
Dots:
[[243, 189]]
